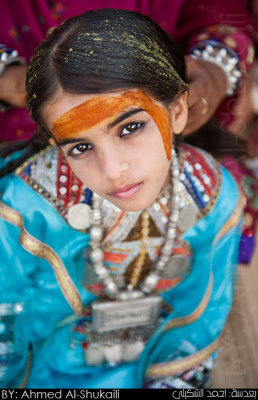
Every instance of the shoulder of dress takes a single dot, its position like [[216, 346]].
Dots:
[[201, 177], [49, 174]]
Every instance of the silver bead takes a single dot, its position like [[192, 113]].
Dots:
[[174, 217], [95, 234], [171, 233], [113, 354], [111, 289], [166, 249], [164, 219], [96, 214], [101, 271], [150, 282], [156, 207], [96, 255], [164, 201]]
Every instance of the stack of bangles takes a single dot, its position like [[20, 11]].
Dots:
[[8, 56], [225, 58]]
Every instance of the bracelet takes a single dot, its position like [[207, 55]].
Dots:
[[225, 58], [8, 56]]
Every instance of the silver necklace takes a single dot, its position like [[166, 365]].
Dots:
[[132, 311], [96, 255]]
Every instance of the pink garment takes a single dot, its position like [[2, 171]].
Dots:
[[23, 24]]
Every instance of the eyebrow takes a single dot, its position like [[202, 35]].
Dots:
[[123, 116], [69, 141], [119, 119]]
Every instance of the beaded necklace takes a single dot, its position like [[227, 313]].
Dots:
[[96, 255]]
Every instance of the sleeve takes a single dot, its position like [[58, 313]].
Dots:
[[37, 275], [16, 271], [201, 303]]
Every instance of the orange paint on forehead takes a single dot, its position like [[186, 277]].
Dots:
[[99, 108]]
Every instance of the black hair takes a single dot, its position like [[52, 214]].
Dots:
[[101, 51]]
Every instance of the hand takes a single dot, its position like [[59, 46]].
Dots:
[[12, 85], [246, 106], [207, 88]]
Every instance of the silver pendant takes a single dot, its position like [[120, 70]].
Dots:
[[132, 350], [94, 356], [187, 218], [113, 354], [113, 315], [79, 216], [176, 266]]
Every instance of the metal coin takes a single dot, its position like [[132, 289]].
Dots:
[[176, 266], [79, 216], [187, 218]]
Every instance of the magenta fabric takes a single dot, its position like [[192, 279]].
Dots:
[[23, 24]]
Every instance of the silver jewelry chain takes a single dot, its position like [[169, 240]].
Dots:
[[96, 255]]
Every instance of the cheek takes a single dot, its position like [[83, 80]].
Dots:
[[80, 168]]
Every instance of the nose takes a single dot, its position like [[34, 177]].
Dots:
[[113, 163]]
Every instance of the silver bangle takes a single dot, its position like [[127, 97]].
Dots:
[[223, 57], [8, 57]]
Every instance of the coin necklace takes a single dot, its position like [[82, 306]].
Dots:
[[129, 308]]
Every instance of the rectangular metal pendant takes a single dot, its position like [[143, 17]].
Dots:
[[112, 315]]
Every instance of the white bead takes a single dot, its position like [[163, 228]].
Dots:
[[4, 57], [63, 178], [96, 255], [171, 233], [111, 289], [206, 198], [62, 190], [18, 308], [223, 52], [94, 356], [131, 351], [237, 74], [164, 219], [101, 271], [232, 79], [197, 52], [164, 201], [166, 250], [174, 217], [156, 207], [113, 354], [95, 234], [150, 282]]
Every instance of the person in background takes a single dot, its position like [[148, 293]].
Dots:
[[214, 31]]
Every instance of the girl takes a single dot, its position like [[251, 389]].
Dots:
[[118, 246]]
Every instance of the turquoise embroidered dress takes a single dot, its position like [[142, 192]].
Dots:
[[47, 284]]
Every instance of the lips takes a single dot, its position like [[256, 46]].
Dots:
[[126, 191]]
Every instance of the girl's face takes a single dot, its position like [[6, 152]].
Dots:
[[119, 145]]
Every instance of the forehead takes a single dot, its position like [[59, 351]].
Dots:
[[62, 103], [70, 115]]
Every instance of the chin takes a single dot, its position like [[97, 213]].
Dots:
[[133, 205]]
